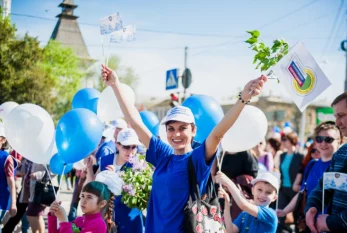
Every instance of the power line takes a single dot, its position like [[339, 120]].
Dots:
[[333, 28], [139, 29], [265, 25]]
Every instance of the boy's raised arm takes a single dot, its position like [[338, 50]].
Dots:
[[240, 200]]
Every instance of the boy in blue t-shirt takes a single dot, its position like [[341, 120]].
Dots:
[[256, 216]]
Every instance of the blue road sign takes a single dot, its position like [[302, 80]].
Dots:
[[171, 79]]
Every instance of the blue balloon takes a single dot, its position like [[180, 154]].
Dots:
[[78, 134], [207, 113], [56, 164], [86, 98], [151, 121], [286, 124], [276, 129]]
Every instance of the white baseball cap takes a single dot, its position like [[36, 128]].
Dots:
[[120, 123], [179, 113], [268, 177], [128, 137]]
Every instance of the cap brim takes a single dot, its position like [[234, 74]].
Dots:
[[131, 142], [254, 181], [179, 119]]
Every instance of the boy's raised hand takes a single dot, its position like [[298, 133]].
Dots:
[[222, 179]]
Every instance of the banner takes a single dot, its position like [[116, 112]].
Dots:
[[300, 74], [126, 34]]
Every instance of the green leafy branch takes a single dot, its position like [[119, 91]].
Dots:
[[265, 56]]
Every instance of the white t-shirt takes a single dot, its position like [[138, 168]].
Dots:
[[117, 167]]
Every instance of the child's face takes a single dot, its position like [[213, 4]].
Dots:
[[264, 193], [89, 203]]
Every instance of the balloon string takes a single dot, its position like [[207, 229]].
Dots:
[[50, 178], [61, 177]]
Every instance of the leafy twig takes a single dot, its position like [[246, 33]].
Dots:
[[266, 57]]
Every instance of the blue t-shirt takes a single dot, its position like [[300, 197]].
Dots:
[[170, 188], [315, 174], [285, 170], [106, 148], [265, 223]]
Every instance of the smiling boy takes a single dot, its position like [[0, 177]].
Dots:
[[256, 216]]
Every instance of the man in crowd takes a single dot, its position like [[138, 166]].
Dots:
[[335, 220]]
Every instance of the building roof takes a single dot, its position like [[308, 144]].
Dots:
[[67, 31]]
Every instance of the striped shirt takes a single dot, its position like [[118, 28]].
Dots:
[[337, 219]]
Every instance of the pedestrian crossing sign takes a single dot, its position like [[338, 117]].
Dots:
[[171, 79]]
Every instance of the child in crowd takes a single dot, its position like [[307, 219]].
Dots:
[[256, 216], [95, 200]]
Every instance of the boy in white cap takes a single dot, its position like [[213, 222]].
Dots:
[[256, 216]]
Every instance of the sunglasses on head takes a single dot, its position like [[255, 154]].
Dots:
[[327, 139], [129, 147]]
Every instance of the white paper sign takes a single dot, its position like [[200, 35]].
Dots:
[[300, 74], [126, 34], [110, 24]]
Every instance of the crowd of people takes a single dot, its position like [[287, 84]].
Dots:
[[269, 188]]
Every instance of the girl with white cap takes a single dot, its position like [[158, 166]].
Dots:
[[170, 190]]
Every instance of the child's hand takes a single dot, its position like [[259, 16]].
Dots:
[[223, 194], [57, 210], [221, 178]]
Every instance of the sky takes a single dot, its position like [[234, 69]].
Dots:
[[213, 31]]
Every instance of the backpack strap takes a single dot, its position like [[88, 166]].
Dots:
[[193, 181]]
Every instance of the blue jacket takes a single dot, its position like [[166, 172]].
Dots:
[[126, 219], [5, 197]]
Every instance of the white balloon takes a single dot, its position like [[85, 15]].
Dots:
[[108, 107], [249, 129], [30, 131], [6, 108], [79, 165]]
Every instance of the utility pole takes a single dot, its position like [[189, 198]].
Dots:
[[185, 67], [6, 7]]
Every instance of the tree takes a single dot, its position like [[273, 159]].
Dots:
[[48, 76], [62, 66]]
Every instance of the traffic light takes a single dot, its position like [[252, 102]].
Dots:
[[174, 100]]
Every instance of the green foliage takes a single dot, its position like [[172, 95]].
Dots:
[[138, 183], [265, 56], [62, 66]]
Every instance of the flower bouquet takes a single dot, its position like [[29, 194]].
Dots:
[[137, 183]]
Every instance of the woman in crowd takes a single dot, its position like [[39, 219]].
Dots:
[[312, 153], [328, 138], [126, 219], [169, 194], [290, 165], [274, 147], [265, 158], [8, 193]]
